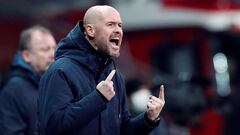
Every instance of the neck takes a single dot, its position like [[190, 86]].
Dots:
[[91, 43]]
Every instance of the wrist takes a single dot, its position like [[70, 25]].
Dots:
[[103, 97], [151, 123], [151, 118]]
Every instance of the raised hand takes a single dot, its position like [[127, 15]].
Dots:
[[106, 88], [155, 105]]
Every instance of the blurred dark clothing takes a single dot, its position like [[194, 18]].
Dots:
[[69, 103], [231, 116], [18, 99]]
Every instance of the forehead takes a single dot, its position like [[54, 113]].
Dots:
[[41, 39], [111, 15]]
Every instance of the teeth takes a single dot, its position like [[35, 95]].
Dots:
[[114, 41]]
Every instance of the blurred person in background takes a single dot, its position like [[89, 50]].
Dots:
[[18, 99], [137, 93], [82, 93]]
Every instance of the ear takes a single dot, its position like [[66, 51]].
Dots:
[[90, 30], [26, 56]]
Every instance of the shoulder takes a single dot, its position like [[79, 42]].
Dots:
[[64, 65], [15, 85], [17, 89], [62, 69]]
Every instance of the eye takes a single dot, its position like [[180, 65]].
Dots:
[[45, 49], [109, 24], [120, 25]]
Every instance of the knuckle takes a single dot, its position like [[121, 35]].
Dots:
[[163, 102], [111, 82], [109, 85], [154, 107]]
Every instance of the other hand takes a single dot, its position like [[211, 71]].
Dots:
[[155, 105], [106, 88]]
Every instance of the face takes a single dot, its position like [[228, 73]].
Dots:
[[108, 33], [41, 52]]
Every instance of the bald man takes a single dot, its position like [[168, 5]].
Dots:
[[83, 93]]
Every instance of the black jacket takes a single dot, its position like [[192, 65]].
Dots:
[[18, 100], [69, 103]]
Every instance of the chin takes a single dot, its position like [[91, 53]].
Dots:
[[116, 55]]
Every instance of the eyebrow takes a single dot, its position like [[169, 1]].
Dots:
[[114, 22]]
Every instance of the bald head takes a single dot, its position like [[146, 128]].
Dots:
[[103, 29], [96, 13]]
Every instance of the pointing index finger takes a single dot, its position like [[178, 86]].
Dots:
[[161, 92], [110, 76]]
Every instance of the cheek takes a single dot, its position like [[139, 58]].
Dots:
[[103, 41], [34, 59], [104, 34], [41, 58]]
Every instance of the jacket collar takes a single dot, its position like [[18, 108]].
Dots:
[[75, 46], [20, 68]]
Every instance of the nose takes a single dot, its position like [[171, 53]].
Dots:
[[118, 30]]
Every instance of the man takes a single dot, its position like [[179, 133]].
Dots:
[[82, 93], [18, 100]]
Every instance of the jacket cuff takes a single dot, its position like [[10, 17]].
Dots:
[[150, 123], [103, 97]]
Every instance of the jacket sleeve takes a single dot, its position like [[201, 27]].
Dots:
[[138, 125], [59, 112], [12, 121]]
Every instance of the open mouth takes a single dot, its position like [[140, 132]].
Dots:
[[115, 41]]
